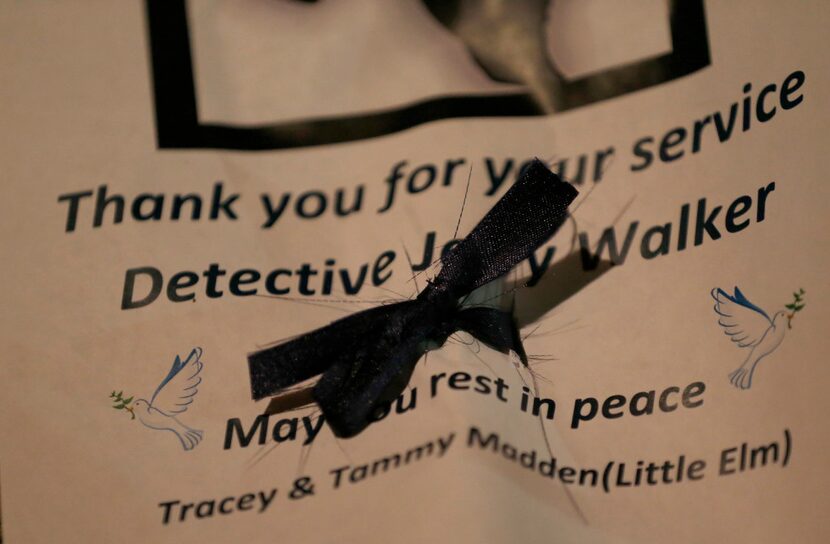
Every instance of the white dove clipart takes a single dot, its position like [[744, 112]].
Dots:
[[749, 327], [172, 397]]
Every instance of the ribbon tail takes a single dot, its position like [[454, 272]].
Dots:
[[494, 328], [351, 393], [527, 215], [278, 367]]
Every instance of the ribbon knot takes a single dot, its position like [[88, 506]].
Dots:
[[367, 358]]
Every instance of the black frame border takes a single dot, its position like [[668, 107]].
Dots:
[[177, 117]]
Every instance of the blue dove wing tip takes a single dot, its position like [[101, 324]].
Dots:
[[176, 368], [741, 299], [738, 298]]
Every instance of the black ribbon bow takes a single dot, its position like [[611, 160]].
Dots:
[[366, 359]]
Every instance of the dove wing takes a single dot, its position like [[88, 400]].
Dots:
[[177, 390], [744, 322]]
